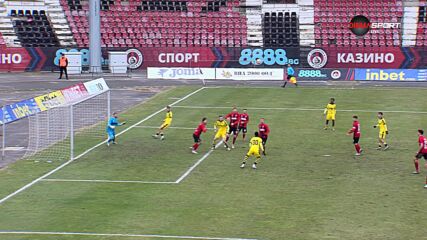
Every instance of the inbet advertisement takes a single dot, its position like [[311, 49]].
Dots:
[[391, 74]]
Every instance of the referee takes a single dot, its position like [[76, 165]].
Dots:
[[290, 74]]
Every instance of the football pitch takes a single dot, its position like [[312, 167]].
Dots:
[[309, 186]]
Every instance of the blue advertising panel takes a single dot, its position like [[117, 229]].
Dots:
[[391, 74], [324, 74], [21, 109]]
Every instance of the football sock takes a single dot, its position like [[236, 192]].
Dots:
[[257, 160], [426, 180], [357, 146], [226, 139], [333, 123], [234, 139], [195, 146], [244, 135], [380, 146], [385, 144], [417, 165]]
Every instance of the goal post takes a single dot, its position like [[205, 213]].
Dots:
[[62, 132]]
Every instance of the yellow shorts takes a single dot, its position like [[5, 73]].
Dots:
[[253, 151], [221, 135], [165, 125], [382, 135], [330, 117], [293, 80]]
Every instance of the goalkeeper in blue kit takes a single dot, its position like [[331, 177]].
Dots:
[[111, 128]]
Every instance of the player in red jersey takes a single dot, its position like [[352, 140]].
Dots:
[[233, 117], [421, 153], [243, 123], [197, 133], [263, 130], [356, 135]]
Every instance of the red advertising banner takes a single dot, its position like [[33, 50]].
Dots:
[[75, 92], [364, 57], [46, 59]]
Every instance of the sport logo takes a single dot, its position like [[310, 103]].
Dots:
[[360, 25], [317, 58], [135, 58], [336, 74]]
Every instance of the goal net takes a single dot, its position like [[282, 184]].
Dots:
[[63, 132]]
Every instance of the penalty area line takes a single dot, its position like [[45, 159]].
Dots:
[[103, 181], [183, 176], [179, 128], [92, 148], [116, 235], [301, 109]]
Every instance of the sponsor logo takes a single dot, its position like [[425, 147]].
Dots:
[[267, 57], [365, 57], [317, 58], [175, 72], [135, 58], [178, 57], [226, 74], [311, 74], [391, 74], [249, 73], [335, 74]]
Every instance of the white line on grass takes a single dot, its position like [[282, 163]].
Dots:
[[143, 182], [92, 148], [301, 109], [197, 164], [116, 235], [102, 181], [328, 87], [180, 128]]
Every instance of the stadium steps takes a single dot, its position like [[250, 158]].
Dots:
[[6, 27], [409, 26], [306, 23], [59, 23], [254, 22]]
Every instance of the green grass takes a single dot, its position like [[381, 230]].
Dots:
[[297, 192]]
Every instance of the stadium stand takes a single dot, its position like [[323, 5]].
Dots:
[[33, 28], [213, 23], [422, 26], [280, 29], [161, 23], [331, 18]]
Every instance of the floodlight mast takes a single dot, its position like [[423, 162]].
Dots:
[[95, 36]]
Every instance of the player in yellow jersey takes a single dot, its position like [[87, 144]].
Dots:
[[221, 128], [166, 123], [330, 113], [255, 148], [383, 132]]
